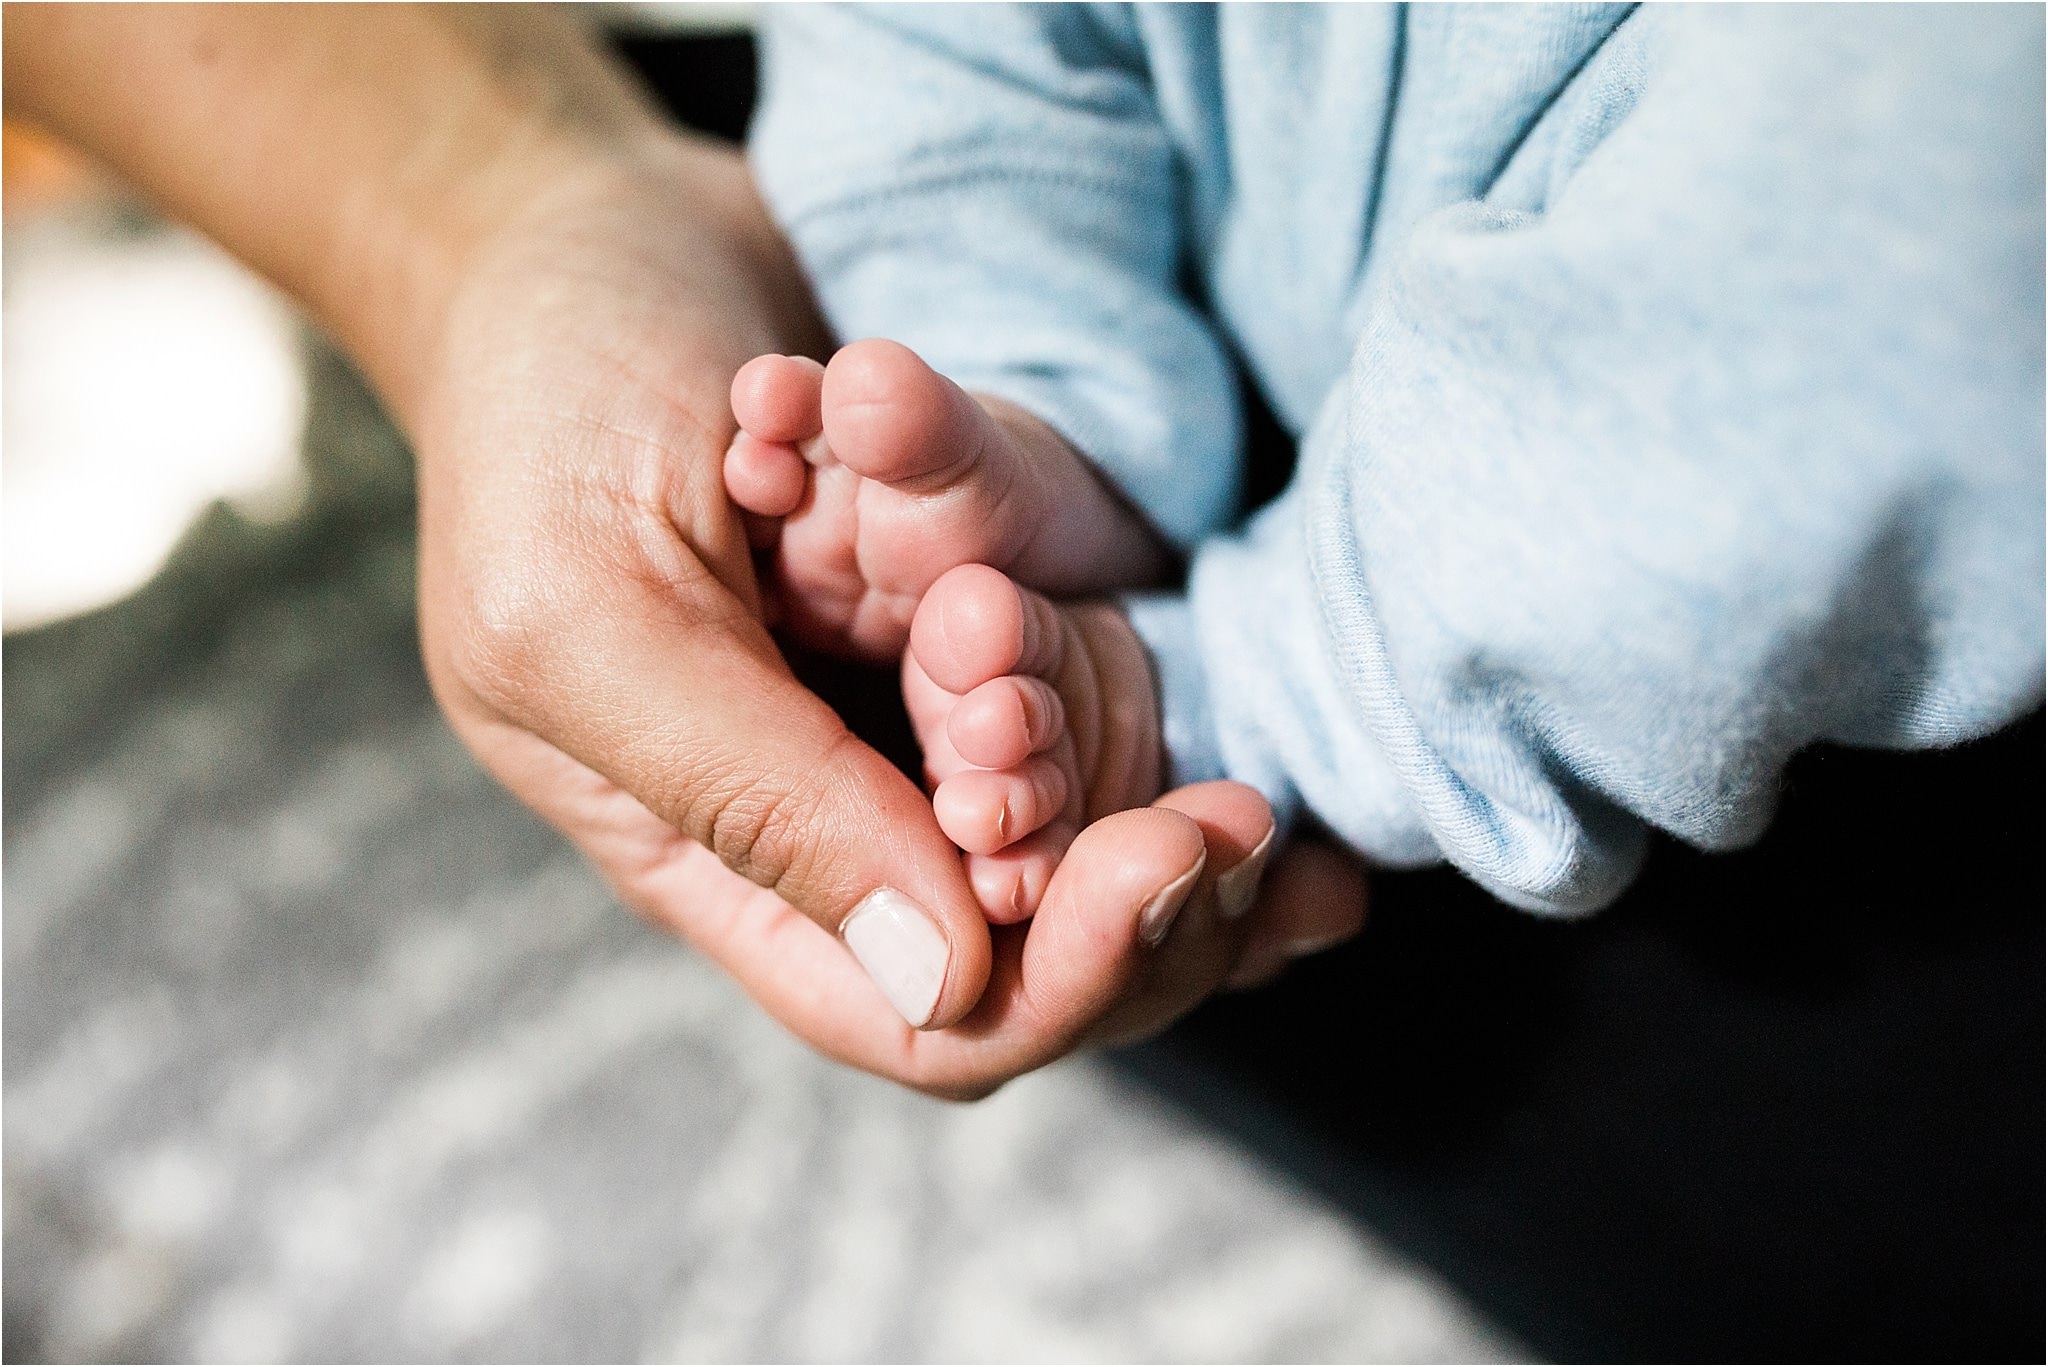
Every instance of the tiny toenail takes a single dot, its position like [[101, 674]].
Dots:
[[1003, 822]]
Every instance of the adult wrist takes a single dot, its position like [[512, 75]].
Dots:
[[405, 252]]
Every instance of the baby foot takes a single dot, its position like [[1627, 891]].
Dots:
[[870, 477], [1036, 720]]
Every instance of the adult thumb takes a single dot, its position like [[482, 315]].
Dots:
[[696, 715]]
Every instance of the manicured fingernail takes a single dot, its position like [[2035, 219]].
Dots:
[[1157, 917], [902, 950], [1236, 888]]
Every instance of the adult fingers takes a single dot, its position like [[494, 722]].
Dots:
[[1203, 944], [1316, 897], [1130, 934], [639, 664], [1052, 981], [1048, 983]]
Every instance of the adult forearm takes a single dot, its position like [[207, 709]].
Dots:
[[359, 156]]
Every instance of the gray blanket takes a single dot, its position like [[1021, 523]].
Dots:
[[317, 1045]]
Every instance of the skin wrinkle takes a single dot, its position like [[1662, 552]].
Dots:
[[754, 817], [493, 652], [1023, 482], [665, 564], [1050, 1020], [1103, 732], [656, 483], [1077, 668], [524, 619]]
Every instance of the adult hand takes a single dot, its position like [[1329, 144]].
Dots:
[[589, 619], [1077, 974], [553, 290], [588, 608]]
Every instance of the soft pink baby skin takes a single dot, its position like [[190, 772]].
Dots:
[[892, 509], [868, 478]]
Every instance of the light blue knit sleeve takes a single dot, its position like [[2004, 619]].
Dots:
[[992, 186], [1715, 433]]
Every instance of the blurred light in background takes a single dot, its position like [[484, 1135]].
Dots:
[[146, 376]]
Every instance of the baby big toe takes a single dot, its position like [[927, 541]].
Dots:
[[892, 418], [974, 624]]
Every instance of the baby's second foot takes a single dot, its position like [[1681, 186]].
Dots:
[[870, 477], [1036, 720]]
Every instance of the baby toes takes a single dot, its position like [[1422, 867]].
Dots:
[[894, 419], [1005, 721], [1011, 883], [984, 810], [778, 398], [775, 400], [763, 477], [975, 624]]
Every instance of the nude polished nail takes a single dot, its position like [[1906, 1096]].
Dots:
[[901, 948], [1235, 888], [1157, 917]]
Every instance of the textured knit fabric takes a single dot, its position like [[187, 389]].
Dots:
[[1668, 382]]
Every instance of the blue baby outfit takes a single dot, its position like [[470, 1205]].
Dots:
[[1668, 381]]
